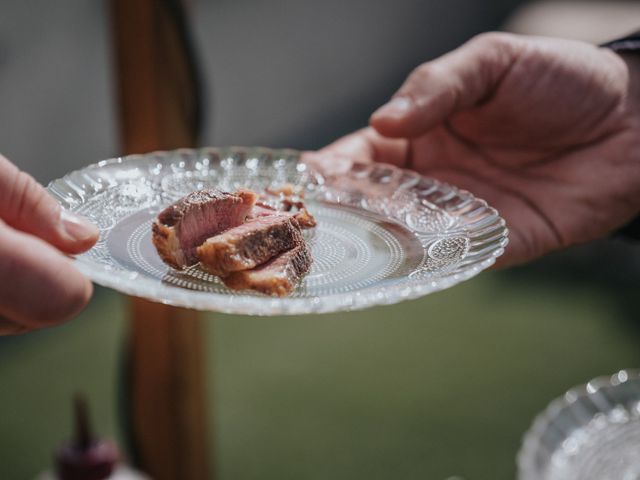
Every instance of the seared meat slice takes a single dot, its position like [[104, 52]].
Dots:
[[262, 209], [181, 227], [278, 276], [249, 244], [304, 218], [286, 198], [302, 215]]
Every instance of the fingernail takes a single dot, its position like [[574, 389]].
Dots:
[[77, 227], [397, 107]]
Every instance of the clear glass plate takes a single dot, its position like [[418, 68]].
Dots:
[[592, 432], [384, 234]]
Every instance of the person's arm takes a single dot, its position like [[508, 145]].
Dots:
[[39, 286]]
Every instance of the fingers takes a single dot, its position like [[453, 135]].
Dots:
[[26, 206], [363, 146], [367, 145], [454, 82], [39, 286]]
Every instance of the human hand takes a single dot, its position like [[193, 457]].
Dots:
[[38, 285], [546, 130]]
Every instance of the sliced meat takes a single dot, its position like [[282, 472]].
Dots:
[[304, 218], [262, 209], [181, 227], [301, 214], [278, 277], [249, 244], [286, 190]]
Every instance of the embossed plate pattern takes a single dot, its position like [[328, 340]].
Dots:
[[384, 234]]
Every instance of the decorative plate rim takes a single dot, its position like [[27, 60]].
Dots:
[[129, 282]]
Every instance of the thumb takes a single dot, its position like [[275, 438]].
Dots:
[[27, 206], [454, 82]]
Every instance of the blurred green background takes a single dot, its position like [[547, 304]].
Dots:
[[441, 386]]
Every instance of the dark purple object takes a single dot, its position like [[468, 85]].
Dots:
[[85, 457]]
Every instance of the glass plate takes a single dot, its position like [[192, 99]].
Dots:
[[592, 432], [384, 234]]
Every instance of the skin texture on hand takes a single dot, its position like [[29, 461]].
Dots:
[[546, 130], [39, 287]]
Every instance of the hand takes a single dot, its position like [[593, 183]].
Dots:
[[38, 285], [546, 130]]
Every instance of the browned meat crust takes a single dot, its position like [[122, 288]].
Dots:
[[181, 227], [278, 277], [250, 244], [301, 214], [167, 244], [304, 218]]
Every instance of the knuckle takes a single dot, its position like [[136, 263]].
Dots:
[[432, 72], [431, 78], [4, 160], [497, 47], [423, 72], [492, 39], [426, 75], [27, 195], [22, 190]]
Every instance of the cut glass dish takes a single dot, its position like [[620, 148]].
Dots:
[[592, 432], [384, 234]]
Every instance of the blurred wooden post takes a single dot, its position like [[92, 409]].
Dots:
[[156, 111]]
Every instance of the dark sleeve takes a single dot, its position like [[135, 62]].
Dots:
[[628, 44]]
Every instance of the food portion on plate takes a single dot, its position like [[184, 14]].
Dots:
[[251, 241], [182, 227], [279, 276]]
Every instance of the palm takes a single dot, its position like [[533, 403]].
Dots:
[[549, 148], [533, 193]]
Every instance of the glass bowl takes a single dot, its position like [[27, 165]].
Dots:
[[592, 432]]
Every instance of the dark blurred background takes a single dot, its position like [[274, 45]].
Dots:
[[427, 389]]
